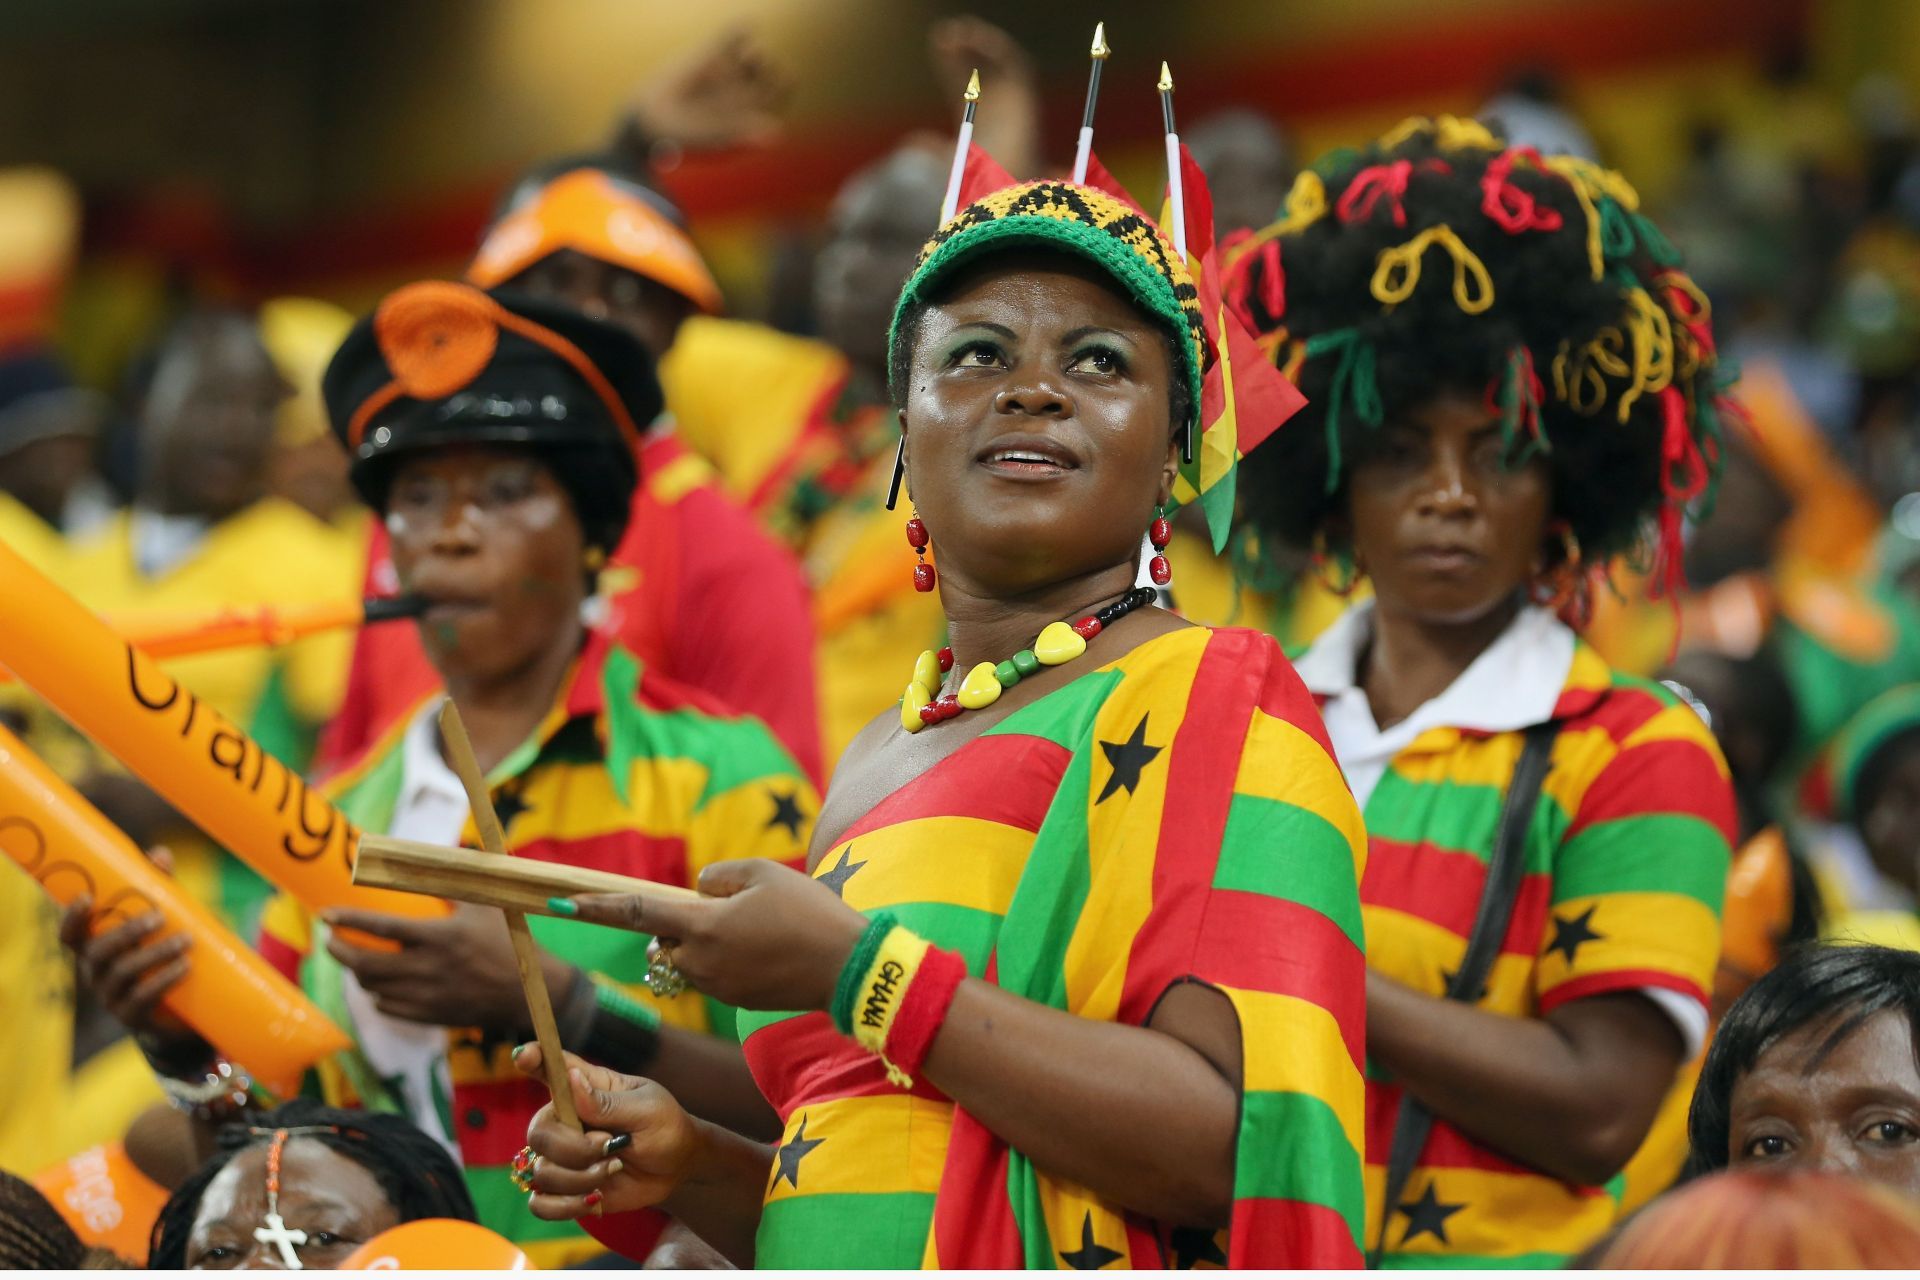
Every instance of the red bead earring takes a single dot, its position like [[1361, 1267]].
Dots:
[[1160, 533], [923, 574]]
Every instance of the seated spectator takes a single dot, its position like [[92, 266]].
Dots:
[[1818, 1067], [1798, 1221], [1876, 786], [302, 1188]]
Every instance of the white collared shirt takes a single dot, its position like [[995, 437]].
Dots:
[[1514, 684]]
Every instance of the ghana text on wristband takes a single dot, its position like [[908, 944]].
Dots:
[[893, 995]]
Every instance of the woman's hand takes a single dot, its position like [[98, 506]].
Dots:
[[727, 93], [765, 937], [130, 968], [454, 971], [661, 1143]]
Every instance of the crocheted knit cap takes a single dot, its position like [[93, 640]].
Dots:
[[1872, 727], [1084, 222]]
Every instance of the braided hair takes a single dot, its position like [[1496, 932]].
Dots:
[[34, 1237], [418, 1176], [1440, 260]]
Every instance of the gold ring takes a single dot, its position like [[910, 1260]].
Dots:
[[663, 979]]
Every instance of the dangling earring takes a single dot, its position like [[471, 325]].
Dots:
[[595, 559], [1564, 588], [1160, 533], [1324, 559], [899, 473], [924, 577]]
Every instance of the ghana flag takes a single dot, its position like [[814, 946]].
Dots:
[[1174, 816]]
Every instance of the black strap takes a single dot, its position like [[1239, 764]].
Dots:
[[1505, 866]]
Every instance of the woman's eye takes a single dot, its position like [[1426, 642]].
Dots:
[[1891, 1131], [1098, 360], [1770, 1147], [324, 1240], [504, 488], [977, 355], [213, 1256]]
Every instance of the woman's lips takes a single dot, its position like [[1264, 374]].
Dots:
[[1443, 559], [1025, 468]]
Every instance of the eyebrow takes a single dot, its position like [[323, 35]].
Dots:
[[988, 325], [1088, 330]]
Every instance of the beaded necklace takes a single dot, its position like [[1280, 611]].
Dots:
[[1059, 642]]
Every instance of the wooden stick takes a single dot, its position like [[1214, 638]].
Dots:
[[553, 1062], [487, 879]]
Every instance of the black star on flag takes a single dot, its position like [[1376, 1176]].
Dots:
[[1195, 1245], [786, 813], [1427, 1216], [1128, 759], [1570, 935], [508, 805], [789, 1156], [1446, 984], [1091, 1255], [836, 876]]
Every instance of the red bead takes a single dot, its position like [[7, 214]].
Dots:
[[917, 535], [948, 706], [923, 577], [946, 659], [1087, 628], [1159, 533], [1160, 571], [930, 714]]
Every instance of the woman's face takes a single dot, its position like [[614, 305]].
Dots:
[[1038, 433], [336, 1202], [1856, 1112], [1443, 526], [490, 538], [1890, 826]]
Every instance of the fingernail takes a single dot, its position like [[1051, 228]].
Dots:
[[619, 1142], [593, 1199], [517, 1051], [563, 906]]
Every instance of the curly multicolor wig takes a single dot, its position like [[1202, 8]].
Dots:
[[1439, 260], [1765, 1220]]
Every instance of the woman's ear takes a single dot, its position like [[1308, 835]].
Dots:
[[1170, 471]]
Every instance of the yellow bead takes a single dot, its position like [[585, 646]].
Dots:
[[916, 698], [1057, 644], [981, 688], [926, 670]]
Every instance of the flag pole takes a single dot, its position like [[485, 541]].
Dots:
[[951, 204], [1084, 148], [1176, 197]]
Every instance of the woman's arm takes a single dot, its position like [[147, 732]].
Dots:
[[1144, 1116], [1572, 1093]]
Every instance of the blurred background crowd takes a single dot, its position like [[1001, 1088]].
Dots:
[[197, 197]]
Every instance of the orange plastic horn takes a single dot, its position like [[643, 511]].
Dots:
[[186, 751], [237, 1001], [107, 1201]]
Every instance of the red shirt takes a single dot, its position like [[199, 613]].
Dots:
[[699, 593]]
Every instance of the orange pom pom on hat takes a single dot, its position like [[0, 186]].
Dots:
[[604, 217], [440, 364]]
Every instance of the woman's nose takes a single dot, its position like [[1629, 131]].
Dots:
[[1447, 488], [1033, 394]]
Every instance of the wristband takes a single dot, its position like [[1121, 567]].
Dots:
[[623, 1032], [893, 995], [848, 992]]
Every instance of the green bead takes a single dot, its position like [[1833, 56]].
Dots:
[[1025, 663], [1008, 674]]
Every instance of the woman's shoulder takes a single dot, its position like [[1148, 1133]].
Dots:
[[1219, 675], [1625, 707]]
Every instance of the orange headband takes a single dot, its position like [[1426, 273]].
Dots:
[[438, 337]]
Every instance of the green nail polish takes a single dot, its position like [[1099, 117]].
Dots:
[[563, 906]]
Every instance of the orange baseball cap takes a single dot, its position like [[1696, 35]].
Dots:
[[591, 212]]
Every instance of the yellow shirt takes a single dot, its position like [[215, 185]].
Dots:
[[48, 1111]]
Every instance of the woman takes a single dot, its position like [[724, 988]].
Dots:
[[303, 1186], [1505, 388], [1817, 1066], [496, 436], [1144, 1044]]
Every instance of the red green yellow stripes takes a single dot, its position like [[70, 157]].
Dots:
[[1174, 816], [1626, 862]]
